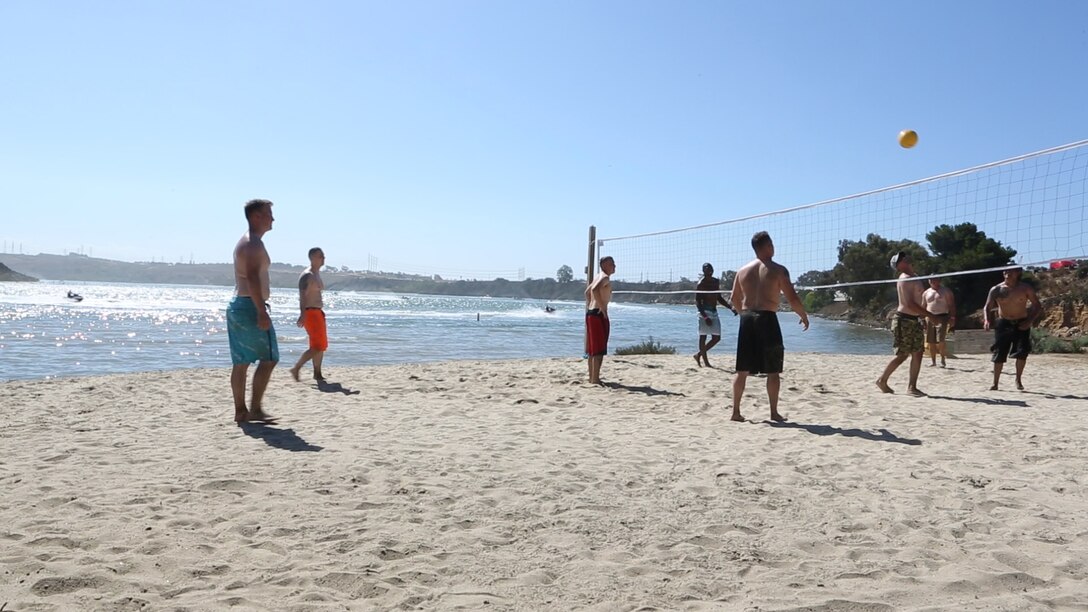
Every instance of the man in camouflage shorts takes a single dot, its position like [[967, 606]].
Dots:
[[908, 338]]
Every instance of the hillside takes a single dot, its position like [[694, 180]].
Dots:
[[11, 276]]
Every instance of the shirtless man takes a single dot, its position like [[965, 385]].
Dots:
[[1012, 331], [311, 316], [941, 305], [756, 291], [709, 323], [249, 328], [907, 335], [598, 294]]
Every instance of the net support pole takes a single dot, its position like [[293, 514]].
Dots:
[[590, 269]]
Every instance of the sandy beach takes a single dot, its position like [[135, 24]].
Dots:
[[515, 485]]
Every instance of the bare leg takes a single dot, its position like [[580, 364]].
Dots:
[[915, 368], [709, 345], [944, 352], [702, 351], [738, 392], [997, 374], [595, 369], [319, 356], [774, 383], [238, 389], [306, 356], [260, 383], [1020, 363], [882, 382]]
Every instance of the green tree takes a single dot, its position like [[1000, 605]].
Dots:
[[564, 274], [965, 247], [869, 261], [818, 298]]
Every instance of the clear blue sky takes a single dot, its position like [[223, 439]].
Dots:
[[476, 138]]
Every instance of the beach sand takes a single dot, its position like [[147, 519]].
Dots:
[[514, 485]]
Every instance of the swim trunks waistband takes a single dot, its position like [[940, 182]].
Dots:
[[1014, 321], [593, 311], [312, 308], [248, 300], [903, 315]]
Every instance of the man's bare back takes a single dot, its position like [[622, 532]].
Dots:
[[760, 285]]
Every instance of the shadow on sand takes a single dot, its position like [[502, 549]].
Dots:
[[285, 439], [829, 430], [984, 400], [334, 387], [646, 390], [1055, 396]]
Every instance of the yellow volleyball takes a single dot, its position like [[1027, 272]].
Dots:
[[908, 138]]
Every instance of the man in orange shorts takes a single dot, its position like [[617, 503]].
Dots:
[[312, 317]]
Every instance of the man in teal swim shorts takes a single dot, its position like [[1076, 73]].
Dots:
[[249, 327]]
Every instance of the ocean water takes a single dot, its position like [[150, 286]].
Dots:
[[121, 327]]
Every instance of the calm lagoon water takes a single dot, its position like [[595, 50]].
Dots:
[[122, 327]]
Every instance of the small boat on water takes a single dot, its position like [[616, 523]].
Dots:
[[75, 297]]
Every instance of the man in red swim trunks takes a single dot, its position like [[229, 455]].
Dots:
[[598, 294], [312, 317]]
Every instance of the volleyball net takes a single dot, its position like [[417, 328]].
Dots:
[[1033, 205]]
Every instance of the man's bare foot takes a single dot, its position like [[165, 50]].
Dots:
[[993, 388], [241, 415], [697, 361], [1019, 386], [915, 392], [777, 417], [294, 374], [319, 378], [933, 365], [256, 414], [737, 417], [883, 386]]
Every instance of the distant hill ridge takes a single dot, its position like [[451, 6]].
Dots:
[[82, 268], [11, 276]]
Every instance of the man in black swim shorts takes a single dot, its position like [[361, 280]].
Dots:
[[757, 290]]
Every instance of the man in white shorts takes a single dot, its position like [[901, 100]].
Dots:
[[709, 323]]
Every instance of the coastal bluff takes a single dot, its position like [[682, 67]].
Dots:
[[7, 275]]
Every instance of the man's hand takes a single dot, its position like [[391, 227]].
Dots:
[[300, 319], [804, 322], [263, 320], [986, 324]]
